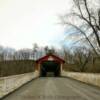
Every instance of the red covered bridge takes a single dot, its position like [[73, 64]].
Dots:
[[49, 63]]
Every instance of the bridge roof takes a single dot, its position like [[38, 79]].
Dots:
[[50, 57]]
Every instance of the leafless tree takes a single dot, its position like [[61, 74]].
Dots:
[[46, 49], [81, 58], [85, 18], [68, 56], [23, 54], [35, 51]]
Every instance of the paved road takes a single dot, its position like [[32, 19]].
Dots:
[[51, 88]]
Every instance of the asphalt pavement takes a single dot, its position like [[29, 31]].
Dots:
[[55, 88]]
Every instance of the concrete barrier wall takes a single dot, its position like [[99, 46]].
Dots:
[[11, 83], [89, 78]]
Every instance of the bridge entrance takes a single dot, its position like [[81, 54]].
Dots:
[[49, 65], [50, 68]]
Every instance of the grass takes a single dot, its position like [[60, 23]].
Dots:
[[89, 68], [16, 67]]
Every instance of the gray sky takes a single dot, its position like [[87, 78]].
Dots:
[[25, 22]]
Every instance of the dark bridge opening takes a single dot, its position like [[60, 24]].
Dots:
[[50, 68]]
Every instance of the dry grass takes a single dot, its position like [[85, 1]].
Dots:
[[89, 68], [16, 67]]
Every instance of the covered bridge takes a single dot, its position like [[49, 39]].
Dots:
[[49, 64]]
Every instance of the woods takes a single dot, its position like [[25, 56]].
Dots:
[[13, 62], [77, 59], [16, 67], [84, 23]]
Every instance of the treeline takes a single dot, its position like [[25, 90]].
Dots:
[[13, 62], [16, 67], [25, 53], [81, 59], [77, 59]]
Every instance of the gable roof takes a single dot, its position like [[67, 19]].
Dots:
[[50, 57]]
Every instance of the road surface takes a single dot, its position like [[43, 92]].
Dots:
[[51, 88]]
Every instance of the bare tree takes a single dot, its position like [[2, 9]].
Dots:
[[23, 54], [35, 51], [86, 20], [68, 57], [46, 49], [81, 58]]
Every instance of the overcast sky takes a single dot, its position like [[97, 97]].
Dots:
[[25, 22]]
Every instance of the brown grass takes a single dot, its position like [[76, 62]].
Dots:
[[89, 68], [16, 67]]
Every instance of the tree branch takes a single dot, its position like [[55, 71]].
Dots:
[[84, 35]]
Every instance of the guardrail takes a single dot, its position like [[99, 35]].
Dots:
[[89, 78], [11, 83]]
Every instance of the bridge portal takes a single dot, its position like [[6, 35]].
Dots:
[[49, 65]]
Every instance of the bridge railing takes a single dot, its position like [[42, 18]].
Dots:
[[89, 78], [11, 83]]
